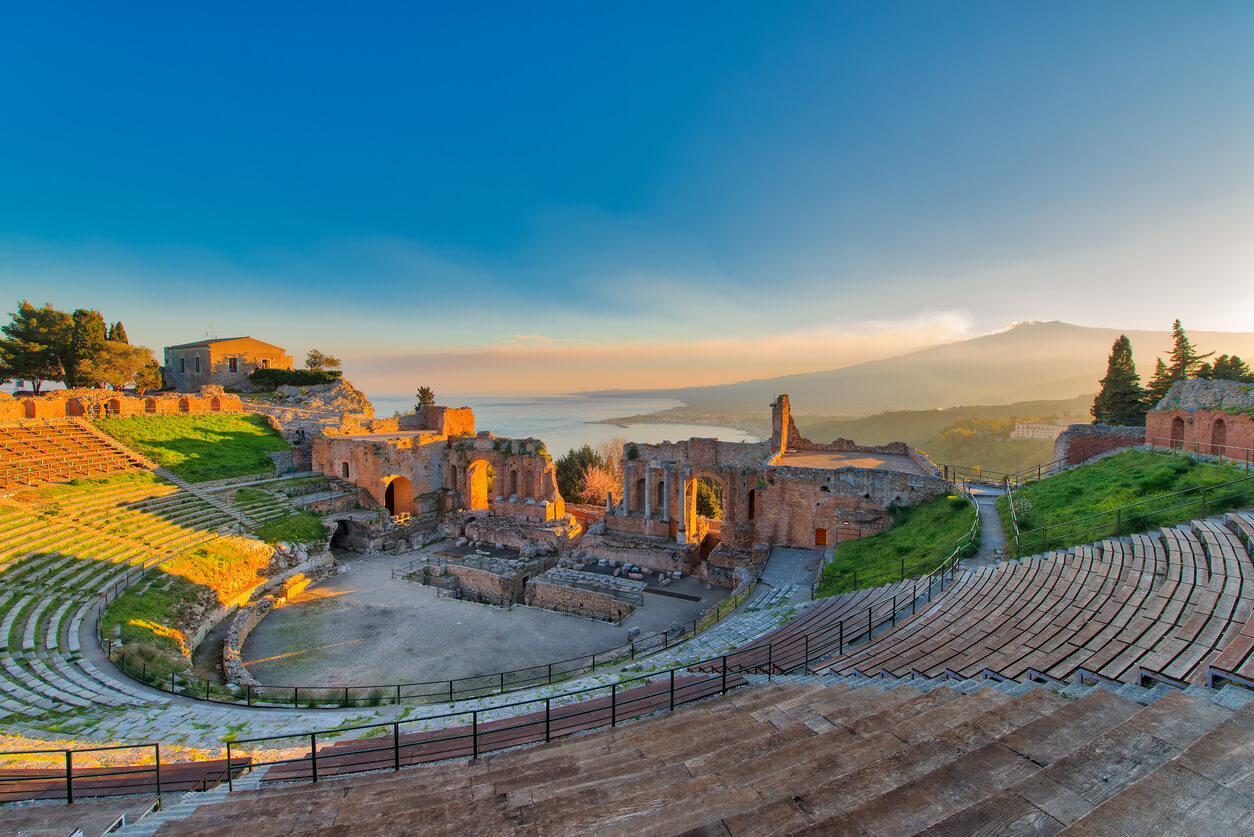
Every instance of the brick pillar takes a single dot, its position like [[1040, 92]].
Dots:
[[666, 492], [626, 486], [648, 495]]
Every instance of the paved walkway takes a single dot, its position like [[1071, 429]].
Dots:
[[788, 566], [992, 536]]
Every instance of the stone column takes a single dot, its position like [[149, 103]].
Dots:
[[666, 492], [682, 535], [626, 493], [609, 502], [648, 495]]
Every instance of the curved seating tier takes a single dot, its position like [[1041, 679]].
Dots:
[[59, 551], [1168, 604], [801, 758], [57, 450]]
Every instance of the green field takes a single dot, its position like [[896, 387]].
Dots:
[[295, 528], [920, 538], [1078, 506], [200, 448]]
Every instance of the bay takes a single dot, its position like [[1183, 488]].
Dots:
[[564, 422]]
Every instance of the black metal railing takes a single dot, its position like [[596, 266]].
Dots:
[[59, 782], [438, 691], [1164, 510], [897, 569]]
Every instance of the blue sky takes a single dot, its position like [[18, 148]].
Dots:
[[559, 196]]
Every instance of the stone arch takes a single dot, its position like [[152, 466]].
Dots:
[[478, 484], [30, 408], [115, 406], [215, 404], [74, 407], [399, 494], [150, 405], [1218, 437], [185, 405], [1177, 432]]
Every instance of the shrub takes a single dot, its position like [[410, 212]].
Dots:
[[293, 377]]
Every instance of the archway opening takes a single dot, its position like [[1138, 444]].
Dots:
[[115, 406], [344, 470], [1218, 437], [150, 405], [479, 478], [659, 501], [215, 404], [74, 407], [399, 495], [753, 502], [1177, 432], [513, 482], [185, 405], [640, 491], [709, 498]]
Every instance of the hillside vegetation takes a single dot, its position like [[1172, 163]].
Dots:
[[1078, 505], [200, 448], [920, 538]]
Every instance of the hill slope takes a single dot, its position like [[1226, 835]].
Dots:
[[1050, 360]]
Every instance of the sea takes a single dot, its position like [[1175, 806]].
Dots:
[[565, 422]]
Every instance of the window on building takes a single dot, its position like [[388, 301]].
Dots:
[[344, 470], [196, 365], [182, 365], [232, 365]]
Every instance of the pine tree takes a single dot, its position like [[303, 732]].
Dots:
[[88, 336], [36, 345], [1231, 368], [117, 334], [1121, 398], [1185, 360], [1158, 385]]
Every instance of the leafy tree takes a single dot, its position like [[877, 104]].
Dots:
[[709, 499], [1121, 398], [117, 364], [117, 334], [425, 396], [1185, 360], [1158, 385], [88, 336], [36, 347], [595, 482], [317, 360], [571, 469]]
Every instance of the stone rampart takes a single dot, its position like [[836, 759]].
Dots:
[[1081, 442]]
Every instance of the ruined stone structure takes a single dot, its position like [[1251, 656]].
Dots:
[[1081, 442], [787, 491], [488, 488], [225, 362], [99, 403], [1207, 417]]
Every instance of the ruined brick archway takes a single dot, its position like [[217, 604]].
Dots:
[[478, 484], [1218, 437], [398, 495], [1177, 432]]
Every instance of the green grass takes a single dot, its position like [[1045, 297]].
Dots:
[[920, 537], [295, 528], [200, 448], [1078, 505]]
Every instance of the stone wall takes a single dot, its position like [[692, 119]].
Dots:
[[1081, 442], [587, 603], [484, 586], [99, 403]]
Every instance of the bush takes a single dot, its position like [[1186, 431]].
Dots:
[[293, 377]]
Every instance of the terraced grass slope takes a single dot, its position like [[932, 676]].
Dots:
[[200, 448], [1117, 481], [920, 538]]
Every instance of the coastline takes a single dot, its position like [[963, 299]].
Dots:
[[686, 415]]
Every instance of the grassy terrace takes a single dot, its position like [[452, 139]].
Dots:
[[1079, 506], [200, 448], [919, 539]]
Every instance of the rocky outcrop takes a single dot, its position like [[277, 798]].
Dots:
[[1199, 394]]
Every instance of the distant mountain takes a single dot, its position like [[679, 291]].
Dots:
[[1028, 362], [915, 427]]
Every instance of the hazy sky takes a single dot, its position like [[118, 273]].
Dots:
[[550, 197]]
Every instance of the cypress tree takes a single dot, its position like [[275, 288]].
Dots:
[[1121, 398], [1231, 368], [117, 334], [87, 339]]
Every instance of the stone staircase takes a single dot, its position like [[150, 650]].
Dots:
[[816, 755]]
